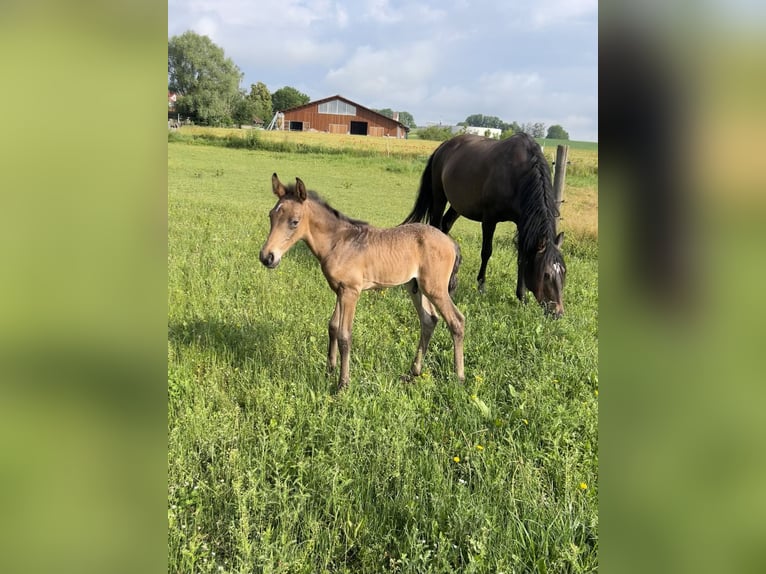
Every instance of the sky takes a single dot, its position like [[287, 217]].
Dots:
[[439, 60]]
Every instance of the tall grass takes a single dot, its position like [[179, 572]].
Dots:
[[269, 471]]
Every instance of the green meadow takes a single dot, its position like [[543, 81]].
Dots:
[[269, 470]]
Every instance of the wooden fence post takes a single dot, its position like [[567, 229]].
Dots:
[[559, 174]]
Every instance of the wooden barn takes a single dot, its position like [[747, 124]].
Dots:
[[338, 115]]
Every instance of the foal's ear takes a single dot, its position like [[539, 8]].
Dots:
[[300, 189], [277, 187], [559, 240]]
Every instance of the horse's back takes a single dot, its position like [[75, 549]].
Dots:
[[477, 174]]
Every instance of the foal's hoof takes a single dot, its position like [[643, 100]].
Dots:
[[408, 378]]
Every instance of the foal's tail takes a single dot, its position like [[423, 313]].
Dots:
[[422, 210], [453, 278]]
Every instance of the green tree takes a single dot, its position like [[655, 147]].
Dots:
[[260, 100], [436, 133], [407, 119], [204, 78], [286, 98], [557, 133], [482, 121]]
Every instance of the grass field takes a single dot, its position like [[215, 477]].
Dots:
[[269, 471]]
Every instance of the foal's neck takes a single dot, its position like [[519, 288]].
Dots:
[[324, 229]]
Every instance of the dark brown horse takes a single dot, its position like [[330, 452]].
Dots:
[[355, 256], [491, 181]]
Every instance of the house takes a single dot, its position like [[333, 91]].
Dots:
[[339, 115]]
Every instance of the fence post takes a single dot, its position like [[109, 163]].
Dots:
[[560, 173]]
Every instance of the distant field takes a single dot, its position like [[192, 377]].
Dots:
[[268, 471], [579, 211]]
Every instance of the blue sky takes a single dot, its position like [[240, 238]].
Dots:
[[441, 60]]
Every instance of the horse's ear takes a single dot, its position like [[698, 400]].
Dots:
[[300, 189], [559, 240], [277, 187]]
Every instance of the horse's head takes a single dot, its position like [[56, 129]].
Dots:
[[287, 221], [546, 276]]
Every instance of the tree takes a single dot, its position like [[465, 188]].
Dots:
[[206, 81], [407, 119], [259, 102], [286, 98], [557, 133], [538, 130], [482, 121], [436, 133]]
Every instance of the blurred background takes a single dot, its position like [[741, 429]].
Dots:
[[682, 244]]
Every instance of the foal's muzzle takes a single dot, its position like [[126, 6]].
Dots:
[[269, 260]]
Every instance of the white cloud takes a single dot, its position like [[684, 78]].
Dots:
[[440, 60], [548, 12], [395, 75]]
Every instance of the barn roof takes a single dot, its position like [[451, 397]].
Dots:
[[339, 97]]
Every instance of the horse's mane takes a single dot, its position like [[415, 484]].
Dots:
[[538, 206], [316, 198]]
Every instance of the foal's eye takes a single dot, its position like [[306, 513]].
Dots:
[[293, 223]]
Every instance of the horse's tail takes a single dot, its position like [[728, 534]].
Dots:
[[453, 278], [422, 210]]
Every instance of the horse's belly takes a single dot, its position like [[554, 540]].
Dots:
[[389, 278]]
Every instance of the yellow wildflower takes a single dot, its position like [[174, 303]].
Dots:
[[456, 458], [479, 447], [525, 421], [583, 486]]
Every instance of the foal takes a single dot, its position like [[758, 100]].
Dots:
[[356, 256]]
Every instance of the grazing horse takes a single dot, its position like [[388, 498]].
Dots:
[[491, 181], [355, 256]]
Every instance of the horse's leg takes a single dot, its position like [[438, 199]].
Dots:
[[428, 320], [333, 328], [456, 323], [347, 299], [487, 233], [521, 288], [449, 219], [438, 205]]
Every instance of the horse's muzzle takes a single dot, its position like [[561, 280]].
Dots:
[[554, 310]]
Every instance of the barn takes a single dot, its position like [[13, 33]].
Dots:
[[339, 115]]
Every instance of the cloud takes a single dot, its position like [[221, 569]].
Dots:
[[392, 77]]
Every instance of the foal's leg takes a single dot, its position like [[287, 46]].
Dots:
[[487, 232], [456, 323], [347, 299], [449, 219], [333, 328], [428, 320]]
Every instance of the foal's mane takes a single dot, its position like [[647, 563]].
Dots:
[[538, 206], [316, 198]]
